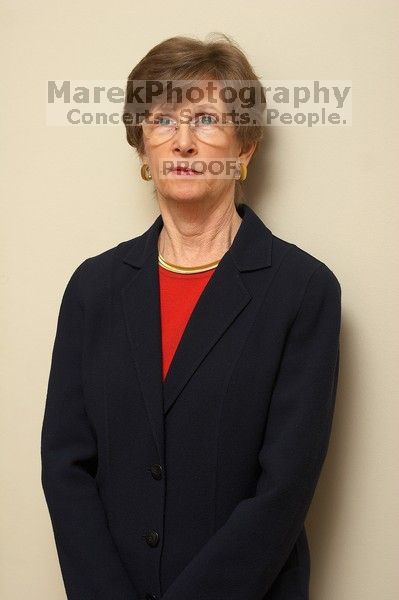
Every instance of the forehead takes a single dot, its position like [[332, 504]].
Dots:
[[196, 94], [194, 105]]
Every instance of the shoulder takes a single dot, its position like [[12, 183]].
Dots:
[[300, 269], [91, 278]]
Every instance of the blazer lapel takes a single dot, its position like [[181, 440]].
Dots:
[[221, 301]]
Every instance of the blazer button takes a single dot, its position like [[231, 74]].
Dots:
[[156, 471], [152, 538]]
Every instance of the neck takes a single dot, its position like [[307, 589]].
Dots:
[[196, 237]]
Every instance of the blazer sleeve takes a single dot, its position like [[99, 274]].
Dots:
[[243, 558], [89, 561]]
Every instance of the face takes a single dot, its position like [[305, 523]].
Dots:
[[208, 156]]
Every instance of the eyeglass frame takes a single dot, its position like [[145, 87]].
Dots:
[[178, 123]]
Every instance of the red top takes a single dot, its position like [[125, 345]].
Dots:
[[179, 293]]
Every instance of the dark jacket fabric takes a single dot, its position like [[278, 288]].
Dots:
[[196, 487]]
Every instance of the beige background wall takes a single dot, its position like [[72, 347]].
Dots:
[[67, 194]]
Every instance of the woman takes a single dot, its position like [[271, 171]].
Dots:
[[194, 373]]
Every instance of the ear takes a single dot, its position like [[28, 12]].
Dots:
[[246, 155], [143, 158]]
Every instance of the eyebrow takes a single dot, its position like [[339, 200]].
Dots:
[[173, 105]]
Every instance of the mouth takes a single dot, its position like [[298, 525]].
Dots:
[[185, 171]]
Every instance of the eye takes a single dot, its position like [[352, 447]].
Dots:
[[206, 119], [163, 120]]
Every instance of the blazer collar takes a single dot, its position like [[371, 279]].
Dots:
[[222, 300]]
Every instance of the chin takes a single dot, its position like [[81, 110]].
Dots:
[[186, 191]]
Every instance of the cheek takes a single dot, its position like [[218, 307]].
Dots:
[[222, 165], [159, 160]]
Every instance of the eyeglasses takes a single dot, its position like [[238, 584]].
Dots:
[[205, 126]]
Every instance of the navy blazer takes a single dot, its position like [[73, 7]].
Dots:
[[195, 488]]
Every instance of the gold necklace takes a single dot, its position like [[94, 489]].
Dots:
[[179, 269]]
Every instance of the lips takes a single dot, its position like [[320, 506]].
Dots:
[[185, 171]]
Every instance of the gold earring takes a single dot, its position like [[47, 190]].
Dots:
[[145, 172], [243, 171]]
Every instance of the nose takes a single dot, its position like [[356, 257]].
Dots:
[[183, 141]]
